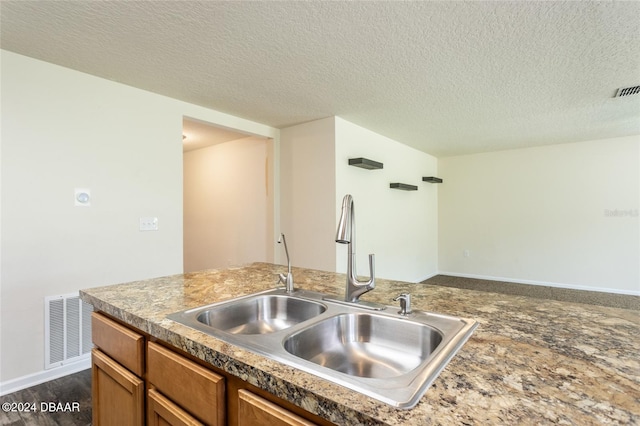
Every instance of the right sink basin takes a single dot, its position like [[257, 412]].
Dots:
[[365, 345]]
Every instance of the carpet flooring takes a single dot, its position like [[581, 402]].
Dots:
[[623, 301]]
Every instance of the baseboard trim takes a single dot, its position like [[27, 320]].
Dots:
[[33, 379], [541, 283]]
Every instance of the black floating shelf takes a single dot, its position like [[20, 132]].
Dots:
[[432, 179], [403, 186], [365, 163]]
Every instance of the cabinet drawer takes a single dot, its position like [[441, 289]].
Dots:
[[199, 391], [253, 410], [120, 343]]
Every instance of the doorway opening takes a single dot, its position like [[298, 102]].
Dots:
[[228, 197]]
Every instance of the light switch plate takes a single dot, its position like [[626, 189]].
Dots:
[[148, 223]]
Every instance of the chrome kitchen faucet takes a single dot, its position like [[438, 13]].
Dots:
[[346, 234]]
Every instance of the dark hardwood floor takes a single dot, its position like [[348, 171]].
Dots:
[[65, 401]]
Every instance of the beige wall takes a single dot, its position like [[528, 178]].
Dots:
[[307, 191], [540, 215], [226, 205]]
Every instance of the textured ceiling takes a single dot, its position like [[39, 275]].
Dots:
[[445, 77]]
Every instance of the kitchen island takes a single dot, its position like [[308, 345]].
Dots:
[[530, 361]]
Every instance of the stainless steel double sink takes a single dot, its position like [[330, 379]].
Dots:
[[390, 357]]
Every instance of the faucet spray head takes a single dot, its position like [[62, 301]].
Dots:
[[343, 234]]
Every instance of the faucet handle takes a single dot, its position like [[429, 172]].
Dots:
[[287, 280], [405, 303], [372, 271]]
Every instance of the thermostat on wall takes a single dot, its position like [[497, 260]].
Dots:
[[82, 197]]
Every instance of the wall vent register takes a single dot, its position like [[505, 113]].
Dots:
[[67, 330], [627, 91]]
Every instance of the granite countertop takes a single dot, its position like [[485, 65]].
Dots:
[[530, 361]]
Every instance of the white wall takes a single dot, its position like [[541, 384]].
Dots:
[[399, 227], [539, 215], [63, 129], [307, 185], [226, 194]]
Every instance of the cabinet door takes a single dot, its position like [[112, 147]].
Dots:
[[253, 411], [117, 394], [163, 412]]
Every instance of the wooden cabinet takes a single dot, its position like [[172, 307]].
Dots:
[[198, 390], [180, 389], [117, 394], [253, 410]]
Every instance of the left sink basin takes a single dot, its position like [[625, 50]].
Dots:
[[257, 314]]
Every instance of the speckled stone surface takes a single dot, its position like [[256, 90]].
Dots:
[[530, 361]]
